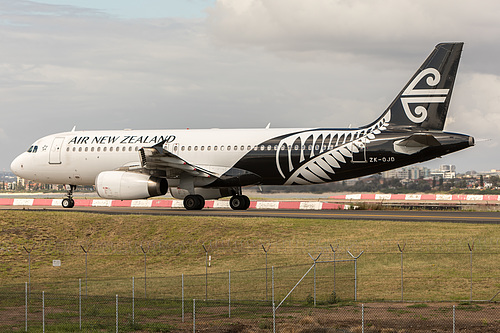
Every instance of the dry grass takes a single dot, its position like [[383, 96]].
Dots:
[[436, 254]]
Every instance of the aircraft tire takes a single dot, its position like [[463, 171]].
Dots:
[[247, 202], [68, 203], [194, 202], [239, 202]]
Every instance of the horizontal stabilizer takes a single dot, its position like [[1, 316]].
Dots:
[[415, 143]]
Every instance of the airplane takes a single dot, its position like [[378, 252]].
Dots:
[[200, 164]]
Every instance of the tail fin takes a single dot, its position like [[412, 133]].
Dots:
[[423, 102]]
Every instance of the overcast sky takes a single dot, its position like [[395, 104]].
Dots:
[[101, 64]]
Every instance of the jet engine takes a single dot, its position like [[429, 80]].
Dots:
[[124, 185]]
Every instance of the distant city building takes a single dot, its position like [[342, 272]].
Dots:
[[412, 172], [445, 171]]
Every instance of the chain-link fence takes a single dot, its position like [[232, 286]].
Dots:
[[59, 312]]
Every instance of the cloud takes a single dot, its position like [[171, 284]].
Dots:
[[292, 63], [352, 29]]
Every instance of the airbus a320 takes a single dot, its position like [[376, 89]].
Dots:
[[200, 164]]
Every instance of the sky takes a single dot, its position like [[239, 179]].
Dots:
[[102, 64]]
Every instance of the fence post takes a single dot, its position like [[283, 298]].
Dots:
[[86, 252], [355, 274], [265, 250], [272, 282], [80, 303], [334, 269], [26, 306], [453, 318], [401, 251], [182, 295], [194, 315], [133, 300], [206, 271], [470, 250], [29, 267], [145, 294], [274, 318], [43, 311], [362, 318], [229, 293], [314, 288], [116, 313]]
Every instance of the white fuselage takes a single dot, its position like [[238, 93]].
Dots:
[[77, 157]]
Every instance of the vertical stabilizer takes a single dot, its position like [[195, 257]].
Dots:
[[423, 103]]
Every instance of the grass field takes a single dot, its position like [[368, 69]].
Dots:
[[436, 256]]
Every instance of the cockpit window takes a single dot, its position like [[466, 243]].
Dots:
[[32, 149]]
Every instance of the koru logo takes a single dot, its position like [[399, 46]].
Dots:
[[423, 96]]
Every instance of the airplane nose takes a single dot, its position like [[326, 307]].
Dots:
[[17, 166]]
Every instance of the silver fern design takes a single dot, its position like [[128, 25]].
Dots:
[[323, 151]]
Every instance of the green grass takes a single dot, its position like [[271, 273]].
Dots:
[[436, 257]]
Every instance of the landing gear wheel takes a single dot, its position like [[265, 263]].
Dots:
[[239, 202], [68, 203], [247, 202], [194, 202]]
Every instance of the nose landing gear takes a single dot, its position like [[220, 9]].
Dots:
[[68, 202]]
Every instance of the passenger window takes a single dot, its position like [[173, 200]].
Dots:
[[221, 147], [117, 149], [92, 149], [235, 147], [74, 148], [130, 148], [98, 148], [249, 147], [262, 147], [86, 149], [208, 147], [110, 148], [189, 148], [202, 148], [242, 147], [275, 147], [136, 148], [269, 147], [195, 148], [215, 147], [228, 147], [80, 149], [183, 148], [124, 148], [67, 149], [104, 149]]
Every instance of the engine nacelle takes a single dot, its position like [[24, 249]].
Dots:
[[124, 185]]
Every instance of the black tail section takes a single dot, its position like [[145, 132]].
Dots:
[[423, 102]]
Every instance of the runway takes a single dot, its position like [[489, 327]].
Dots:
[[482, 217]]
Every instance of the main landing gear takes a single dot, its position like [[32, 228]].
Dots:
[[197, 202], [239, 202], [69, 202], [194, 202]]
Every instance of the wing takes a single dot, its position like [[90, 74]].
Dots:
[[158, 158]]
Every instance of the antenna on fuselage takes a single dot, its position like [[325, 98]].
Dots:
[[73, 129], [268, 125]]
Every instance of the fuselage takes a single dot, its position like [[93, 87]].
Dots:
[[275, 156]]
